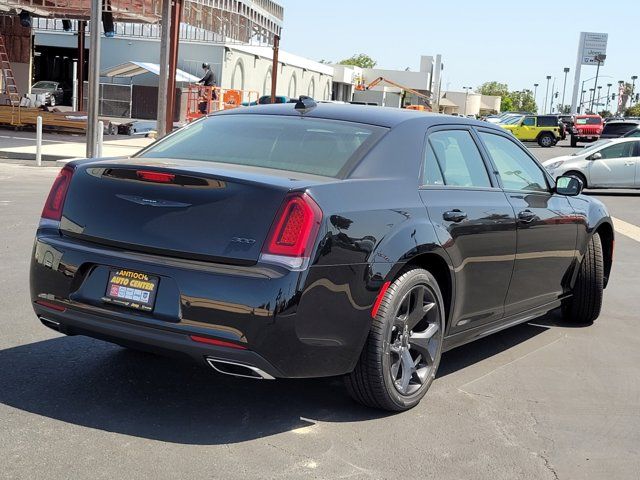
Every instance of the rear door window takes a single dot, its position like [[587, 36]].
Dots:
[[459, 159], [293, 143], [547, 121], [619, 150]]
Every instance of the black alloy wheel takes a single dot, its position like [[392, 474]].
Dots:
[[401, 356]]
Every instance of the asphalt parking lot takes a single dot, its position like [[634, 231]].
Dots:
[[543, 400]]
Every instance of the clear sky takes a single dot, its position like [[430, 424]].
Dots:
[[515, 42]]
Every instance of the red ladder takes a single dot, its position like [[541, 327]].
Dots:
[[9, 80]]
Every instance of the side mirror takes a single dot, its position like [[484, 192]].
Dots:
[[595, 156], [568, 185]]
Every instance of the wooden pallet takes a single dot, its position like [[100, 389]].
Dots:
[[66, 121]]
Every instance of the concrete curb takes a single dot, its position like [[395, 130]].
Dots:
[[31, 156]]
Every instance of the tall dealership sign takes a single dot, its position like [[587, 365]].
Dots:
[[592, 50]]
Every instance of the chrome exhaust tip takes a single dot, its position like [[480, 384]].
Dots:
[[237, 369], [52, 324]]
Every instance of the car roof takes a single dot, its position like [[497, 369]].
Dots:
[[368, 114], [621, 122]]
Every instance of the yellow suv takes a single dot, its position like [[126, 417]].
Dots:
[[544, 129]]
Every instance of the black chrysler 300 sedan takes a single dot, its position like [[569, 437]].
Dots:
[[314, 240]]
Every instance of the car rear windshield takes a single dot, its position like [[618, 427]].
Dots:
[[589, 121], [293, 143], [618, 128]]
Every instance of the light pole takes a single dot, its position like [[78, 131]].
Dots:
[[598, 58], [466, 99], [633, 88], [581, 101], [546, 95], [535, 95], [608, 95], [599, 96], [553, 87], [591, 95], [564, 88]]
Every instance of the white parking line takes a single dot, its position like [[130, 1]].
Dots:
[[627, 229]]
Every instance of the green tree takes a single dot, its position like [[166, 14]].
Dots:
[[522, 101], [494, 88], [605, 113], [633, 111], [361, 60]]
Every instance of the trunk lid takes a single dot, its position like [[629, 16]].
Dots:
[[192, 209]]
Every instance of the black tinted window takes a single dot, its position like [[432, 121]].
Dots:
[[517, 170], [297, 144], [547, 121], [459, 158], [618, 128]]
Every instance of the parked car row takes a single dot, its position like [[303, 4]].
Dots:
[[609, 163]]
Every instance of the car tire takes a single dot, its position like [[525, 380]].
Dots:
[[574, 142], [546, 140], [579, 176], [380, 379], [586, 302]]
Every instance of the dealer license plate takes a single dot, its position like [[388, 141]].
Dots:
[[131, 289]]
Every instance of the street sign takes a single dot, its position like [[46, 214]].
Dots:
[[591, 45]]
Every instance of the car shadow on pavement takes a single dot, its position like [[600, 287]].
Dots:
[[94, 384], [487, 347]]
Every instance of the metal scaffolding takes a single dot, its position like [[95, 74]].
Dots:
[[217, 21]]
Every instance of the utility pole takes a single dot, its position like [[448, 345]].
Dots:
[[274, 67], [599, 96], [163, 79], [633, 89], [608, 95], [564, 87], [174, 43], [546, 95], [553, 87], [94, 79], [535, 95], [82, 26]]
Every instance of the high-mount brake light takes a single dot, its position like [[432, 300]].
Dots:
[[55, 201], [158, 177], [293, 232]]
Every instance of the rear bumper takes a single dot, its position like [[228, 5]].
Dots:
[[155, 340], [291, 324]]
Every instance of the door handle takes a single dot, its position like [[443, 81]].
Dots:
[[454, 215], [526, 216]]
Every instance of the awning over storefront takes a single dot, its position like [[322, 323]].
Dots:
[[131, 69], [445, 102]]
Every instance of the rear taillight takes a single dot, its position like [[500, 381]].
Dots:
[[293, 232], [55, 201]]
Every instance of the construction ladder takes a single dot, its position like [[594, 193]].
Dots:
[[10, 83]]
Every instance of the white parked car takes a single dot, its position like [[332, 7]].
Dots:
[[606, 164]]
